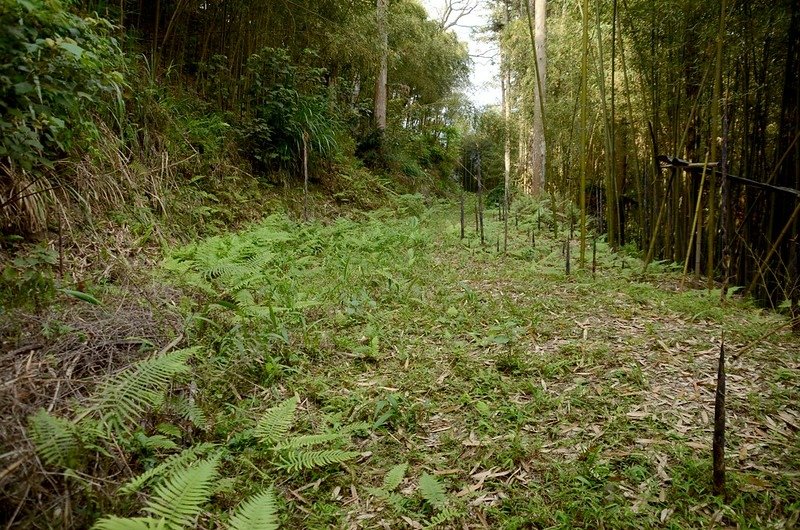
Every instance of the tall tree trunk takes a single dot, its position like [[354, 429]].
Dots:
[[584, 113], [712, 189], [537, 152], [383, 73], [789, 168], [505, 85]]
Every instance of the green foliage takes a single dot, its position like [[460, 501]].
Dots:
[[256, 513], [119, 402], [294, 461], [175, 503], [56, 440], [28, 278], [132, 523], [80, 295], [432, 491], [445, 516], [395, 476], [274, 425], [288, 102], [57, 68], [126, 396], [179, 498], [172, 463]]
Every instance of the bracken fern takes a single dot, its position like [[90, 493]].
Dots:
[[179, 499], [168, 466], [128, 395], [432, 491], [56, 439], [274, 425], [294, 461], [256, 513]]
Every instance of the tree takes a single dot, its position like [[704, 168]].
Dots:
[[538, 145], [383, 69]]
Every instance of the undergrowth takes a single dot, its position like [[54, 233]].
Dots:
[[377, 371]]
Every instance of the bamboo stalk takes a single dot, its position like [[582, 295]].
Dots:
[[584, 116], [772, 250], [694, 222], [712, 210]]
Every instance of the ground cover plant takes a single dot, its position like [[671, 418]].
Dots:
[[379, 371]]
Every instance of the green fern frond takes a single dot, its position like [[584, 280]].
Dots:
[[308, 440], [360, 426], [191, 411], [299, 460], [276, 422], [378, 492], [126, 396], [395, 476], [442, 517], [180, 497], [155, 442], [133, 523], [395, 500], [259, 512], [56, 439], [170, 465], [432, 491]]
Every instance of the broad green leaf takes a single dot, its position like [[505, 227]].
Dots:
[[81, 296], [72, 48]]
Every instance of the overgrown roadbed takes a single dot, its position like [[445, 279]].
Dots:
[[384, 373]]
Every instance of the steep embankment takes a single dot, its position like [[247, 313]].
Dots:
[[380, 372]]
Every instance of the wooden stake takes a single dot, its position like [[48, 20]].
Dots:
[[462, 213], [567, 258], [305, 176], [60, 248]]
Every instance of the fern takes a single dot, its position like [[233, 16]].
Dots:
[[359, 426], [191, 411], [395, 476], [308, 440], [432, 491], [155, 442], [126, 396], [256, 513], [277, 421], [179, 498], [446, 515], [397, 501], [174, 462], [299, 460], [56, 439], [133, 523]]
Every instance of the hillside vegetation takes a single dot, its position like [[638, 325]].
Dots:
[[263, 265], [381, 372]]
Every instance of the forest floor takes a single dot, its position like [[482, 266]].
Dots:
[[538, 399], [517, 395]]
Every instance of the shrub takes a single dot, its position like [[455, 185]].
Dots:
[[57, 69]]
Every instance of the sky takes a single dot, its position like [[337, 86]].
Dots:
[[485, 89]]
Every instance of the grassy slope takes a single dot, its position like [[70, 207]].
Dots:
[[538, 400]]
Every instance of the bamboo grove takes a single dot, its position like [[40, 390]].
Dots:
[[636, 90]]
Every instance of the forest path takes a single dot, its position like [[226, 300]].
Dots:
[[538, 399]]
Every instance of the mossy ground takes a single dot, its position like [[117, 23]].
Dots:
[[539, 400]]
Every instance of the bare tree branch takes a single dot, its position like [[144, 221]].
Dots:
[[455, 10]]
